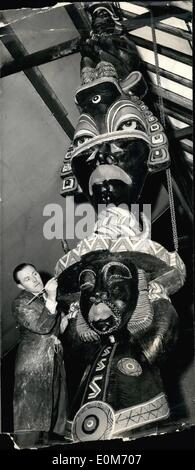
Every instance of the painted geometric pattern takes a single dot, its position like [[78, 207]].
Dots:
[[129, 366], [157, 291], [130, 418], [153, 410], [146, 246], [93, 421]]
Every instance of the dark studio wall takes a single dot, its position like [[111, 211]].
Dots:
[[33, 145]]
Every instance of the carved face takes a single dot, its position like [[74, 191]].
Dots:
[[101, 16], [116, 142], [108, 293], [102, 21], [111, 148], [108, 287]]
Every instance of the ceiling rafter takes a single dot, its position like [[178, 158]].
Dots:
[[174, 110], [78, 18], [65, 49], [183, 133], [169, 75], [135, 22], [178, 32], [171, 96], [37, 79], [177, 113], [187, 148], [41, 57], [171, 6], [163, 50]]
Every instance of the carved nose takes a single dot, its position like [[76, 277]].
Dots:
[[95, 298], [102, 154], [98, 298], [108, 153]]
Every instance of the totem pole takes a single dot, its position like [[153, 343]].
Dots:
[[123, 279]]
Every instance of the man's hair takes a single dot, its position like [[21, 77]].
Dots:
[[19, 268]]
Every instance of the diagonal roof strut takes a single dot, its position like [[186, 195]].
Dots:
[[41, 85]]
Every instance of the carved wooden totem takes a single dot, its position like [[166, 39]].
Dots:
[[123, 282]]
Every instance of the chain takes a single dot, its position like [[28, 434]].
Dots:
[[162, 118], [172, 208]]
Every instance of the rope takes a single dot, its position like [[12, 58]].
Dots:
[[163, 120]]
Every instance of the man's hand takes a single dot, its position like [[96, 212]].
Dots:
[[65, 320], [51, 289], [63, 323]]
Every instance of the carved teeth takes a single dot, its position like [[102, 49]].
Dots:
[[108, 172]]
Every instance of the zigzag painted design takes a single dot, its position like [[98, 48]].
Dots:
[[72, 258], [135, 244], [95, 388], [101, 243], [100, 365], [107, 351], [94, 244]]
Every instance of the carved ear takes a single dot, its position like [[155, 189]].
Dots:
[[85, 333], [158, 342], [142, 316], [134, 84]]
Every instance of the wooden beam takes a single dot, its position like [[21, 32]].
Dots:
[[187, 5], [171, 96], [184, 133], [180, 134], [166, 51], [17, 50], [26, 61], [174, 8], [177, 113], [181, 194], [180, 33], [170, 75], [187, 148], [135, 22], [65, 49], [182, 181], [181, 175], [79, 18]]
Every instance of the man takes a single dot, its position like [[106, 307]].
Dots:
[[40, 397]]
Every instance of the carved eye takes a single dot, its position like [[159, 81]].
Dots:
[[131, 125], [87, 279], [81, 140], [96, 99], [115, 272]]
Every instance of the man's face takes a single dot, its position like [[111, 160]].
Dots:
[[30, 280]]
